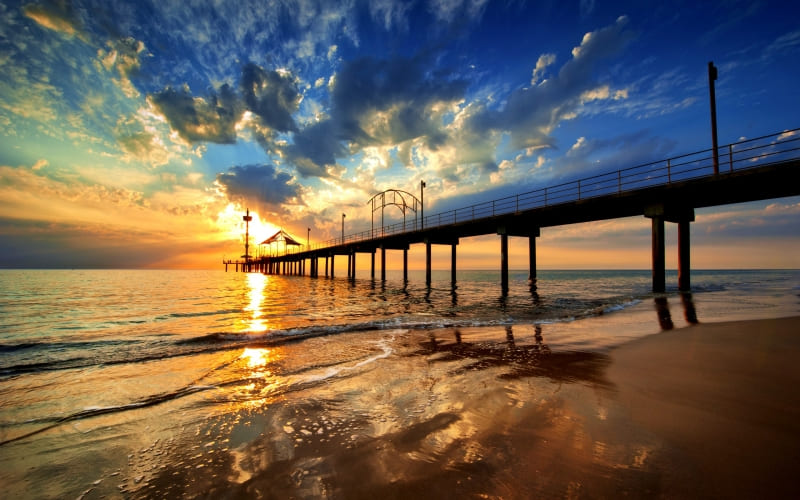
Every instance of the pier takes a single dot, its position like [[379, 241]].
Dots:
[[665, 191]]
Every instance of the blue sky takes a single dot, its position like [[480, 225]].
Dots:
[[133, 133]]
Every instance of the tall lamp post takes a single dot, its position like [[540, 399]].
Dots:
[[343, 216], [712, 76], [422, 204], [247, 218]]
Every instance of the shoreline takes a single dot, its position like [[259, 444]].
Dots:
[[709, 410], [726, 397]]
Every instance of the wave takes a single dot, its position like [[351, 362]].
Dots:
[[201, 313], [52, 356], [302, 379], [96, 411]]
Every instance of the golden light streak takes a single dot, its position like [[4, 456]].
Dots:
[[256, 283], [256, 357]]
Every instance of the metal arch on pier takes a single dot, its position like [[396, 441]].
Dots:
[[402, 204], [668, 190]]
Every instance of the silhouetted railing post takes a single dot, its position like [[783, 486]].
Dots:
[[730, 156]]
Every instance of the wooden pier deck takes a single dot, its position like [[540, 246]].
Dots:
[[664, 191]]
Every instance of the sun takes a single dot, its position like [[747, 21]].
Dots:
[[230, 221]]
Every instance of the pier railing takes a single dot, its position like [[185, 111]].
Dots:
[[742, 155]]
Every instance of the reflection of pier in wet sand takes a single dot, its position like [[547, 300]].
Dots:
[[528, 360], [536, 359]]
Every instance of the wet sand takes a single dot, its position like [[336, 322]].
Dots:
[[726, 398], [705, 411]]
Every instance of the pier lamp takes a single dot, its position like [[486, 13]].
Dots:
[[343, 216]]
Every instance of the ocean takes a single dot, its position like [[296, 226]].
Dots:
[[146, 383]]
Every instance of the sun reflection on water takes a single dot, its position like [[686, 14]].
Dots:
[[256, 283], [259, 382], [256, 357]]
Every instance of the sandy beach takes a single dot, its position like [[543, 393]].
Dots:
[[726, 398], [707, 411], [521, 411]]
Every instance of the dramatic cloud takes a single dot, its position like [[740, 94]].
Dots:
[[393, 99], [542, 63], [57, 15], [123, 55], [198, 119], [258, 186], [272, 96], [377, 103], [133, 113], [530, 114], [315, 147]]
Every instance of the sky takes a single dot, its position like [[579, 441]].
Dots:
[[134, 134]]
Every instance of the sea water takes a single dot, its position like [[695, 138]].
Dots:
[[143, 383]]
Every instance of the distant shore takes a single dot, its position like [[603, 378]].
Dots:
[[727, 396]]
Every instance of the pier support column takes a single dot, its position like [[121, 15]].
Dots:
[[405, 265], [532, 254], [504, 262], [372, 265], [427, 263], [684, 265], [659, 266], [349, 264], [353, 266], [453, 264], [326, 266], [383, 264], [333, 263]]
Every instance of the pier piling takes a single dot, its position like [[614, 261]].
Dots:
[[763, 168]]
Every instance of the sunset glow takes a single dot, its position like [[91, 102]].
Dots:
[[136, 134]]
